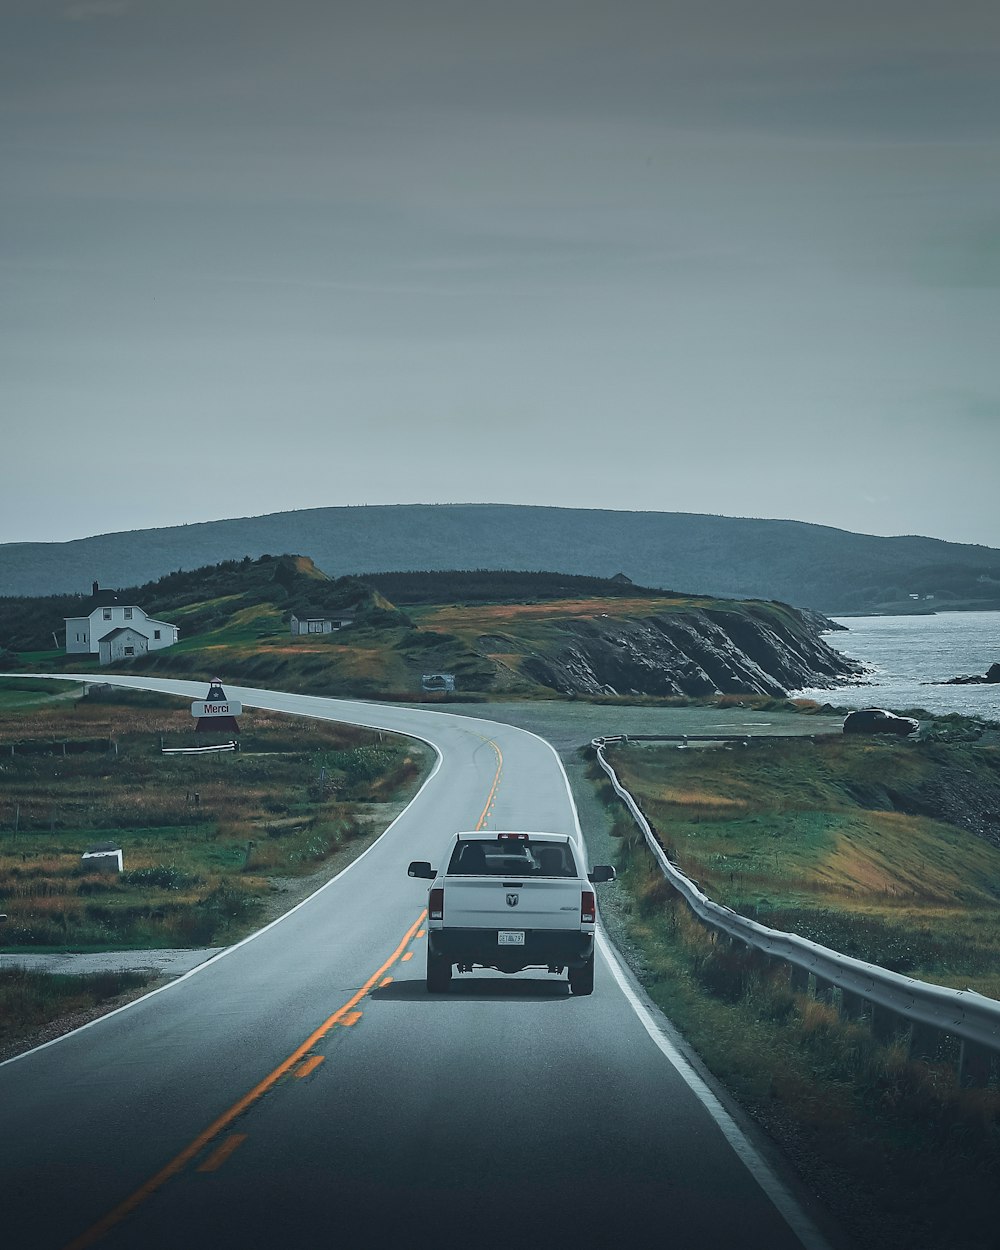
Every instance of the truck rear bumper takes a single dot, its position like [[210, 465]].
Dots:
[[542, 948]]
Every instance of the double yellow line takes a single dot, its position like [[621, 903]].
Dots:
[[481, 823], [194, 1148], [346, 1014]]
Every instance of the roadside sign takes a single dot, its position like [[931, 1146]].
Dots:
[[203, 709]]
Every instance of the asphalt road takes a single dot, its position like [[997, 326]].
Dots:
[[302, 1088]]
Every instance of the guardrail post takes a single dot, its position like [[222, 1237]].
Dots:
[[885, 1023], [925, 1041], [975, 1066], [825, 991], [798, 979], [852, 1006]]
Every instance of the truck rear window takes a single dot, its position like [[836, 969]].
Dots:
[[488, 858]]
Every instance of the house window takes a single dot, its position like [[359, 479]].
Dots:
[[315, 627], [156, 633], [128, 614], [107, 614], [130, 650]]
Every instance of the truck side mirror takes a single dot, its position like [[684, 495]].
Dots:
[[421, 868], [601, 872]]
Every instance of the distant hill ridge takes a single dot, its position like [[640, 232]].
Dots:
[[813, 566]]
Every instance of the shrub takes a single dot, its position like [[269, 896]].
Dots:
[[160, 876]]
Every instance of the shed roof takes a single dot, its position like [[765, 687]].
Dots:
[[121, 629]]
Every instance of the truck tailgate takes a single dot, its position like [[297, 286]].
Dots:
[[491, 903]]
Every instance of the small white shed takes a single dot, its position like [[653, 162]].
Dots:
[[124, 643], [103, 858]]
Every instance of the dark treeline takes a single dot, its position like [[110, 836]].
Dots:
[[292, 584], [500, 586], [814, 566]]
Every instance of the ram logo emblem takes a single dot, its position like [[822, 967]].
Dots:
[[512, 900]]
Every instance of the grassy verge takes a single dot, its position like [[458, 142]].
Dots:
[[203, 838], [898, 1151], [885, 850], [17, 694], [30, 1001]]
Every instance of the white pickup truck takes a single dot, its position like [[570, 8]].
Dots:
[[511, 901]]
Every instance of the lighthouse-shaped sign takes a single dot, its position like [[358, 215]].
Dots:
[[216, 713]]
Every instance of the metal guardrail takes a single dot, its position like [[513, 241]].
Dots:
[[210, 750], [967, 1015]]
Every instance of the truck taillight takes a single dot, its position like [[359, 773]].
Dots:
[[588, 907], [435, 903]]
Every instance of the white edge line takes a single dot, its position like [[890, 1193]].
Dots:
[[780, 1197], [284, 916]]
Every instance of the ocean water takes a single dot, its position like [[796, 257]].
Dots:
[[909, 654]]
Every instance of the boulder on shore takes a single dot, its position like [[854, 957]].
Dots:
[[991, 678]]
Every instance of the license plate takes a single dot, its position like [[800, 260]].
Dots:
[[510, 937]]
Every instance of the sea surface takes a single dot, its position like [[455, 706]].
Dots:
[[909, 655]]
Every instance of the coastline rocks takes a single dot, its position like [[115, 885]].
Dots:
[[991, 678], [709, 651]]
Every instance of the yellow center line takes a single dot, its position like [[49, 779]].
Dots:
[[194, 1148], [493, 789], [305, 1067], [350, 1020], [221, 1153]]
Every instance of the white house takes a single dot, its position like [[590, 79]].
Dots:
[[322, 624], [116, 631]]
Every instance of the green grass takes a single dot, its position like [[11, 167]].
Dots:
[[803, 837], [30, 1000], [903, 1157], [827, 839], [299, 791], [17, 693]]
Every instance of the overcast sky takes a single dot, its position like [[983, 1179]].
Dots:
[[728, 256]]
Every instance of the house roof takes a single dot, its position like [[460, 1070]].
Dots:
[[122, 629], [104, 599], [346, 615], [145, 619]]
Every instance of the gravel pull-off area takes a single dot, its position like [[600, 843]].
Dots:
[[167, 963]]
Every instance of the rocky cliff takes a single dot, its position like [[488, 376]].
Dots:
[[753, 648]]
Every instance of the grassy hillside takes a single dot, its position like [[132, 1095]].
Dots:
[[244, 598], [572, 635], [868, 846], [812, 566], [885, 850]]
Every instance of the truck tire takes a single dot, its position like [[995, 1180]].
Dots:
[[581, 980], [438, 974]]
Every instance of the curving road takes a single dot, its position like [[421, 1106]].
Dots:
[[302, 1088]]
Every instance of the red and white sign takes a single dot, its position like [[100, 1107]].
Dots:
[[227, 707]]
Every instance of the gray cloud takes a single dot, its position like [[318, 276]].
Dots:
[[87, 10], [712, 257]]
